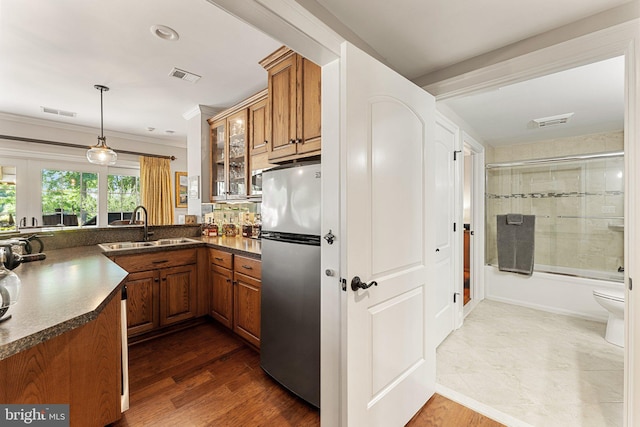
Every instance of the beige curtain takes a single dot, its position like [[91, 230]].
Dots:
[[155, 189]]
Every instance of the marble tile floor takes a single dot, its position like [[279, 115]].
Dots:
[[541, 368]]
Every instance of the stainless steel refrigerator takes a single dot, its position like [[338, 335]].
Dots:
[[290, 307]]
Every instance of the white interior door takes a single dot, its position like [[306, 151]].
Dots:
[[387, 126], [444, 216]]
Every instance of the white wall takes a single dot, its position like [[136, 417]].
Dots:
[[19, 126]]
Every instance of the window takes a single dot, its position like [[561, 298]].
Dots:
[[56, 192], [69, 197], [123, 195], [7, 198]]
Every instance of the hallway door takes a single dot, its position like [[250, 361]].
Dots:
[[446, 271]]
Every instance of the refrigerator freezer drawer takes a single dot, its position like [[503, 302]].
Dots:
[[290, 321]]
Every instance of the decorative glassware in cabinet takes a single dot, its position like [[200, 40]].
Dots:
[[218, 142], [237, 154]]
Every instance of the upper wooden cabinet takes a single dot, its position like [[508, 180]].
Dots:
[[238, 141], [258, 127], [294, 106], [229, 156]]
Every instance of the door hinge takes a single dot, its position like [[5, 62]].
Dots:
[[454, 227], [455, 154], [343, 283], [455, 297], [630, 283]]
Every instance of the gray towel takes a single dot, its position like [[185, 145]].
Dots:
[[516, 243]]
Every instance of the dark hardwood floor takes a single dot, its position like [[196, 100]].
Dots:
[[206, 376]]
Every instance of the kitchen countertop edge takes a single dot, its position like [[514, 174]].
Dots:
[[75, 302], [34, 276]]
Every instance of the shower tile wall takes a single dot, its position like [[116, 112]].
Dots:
[[590, 190]]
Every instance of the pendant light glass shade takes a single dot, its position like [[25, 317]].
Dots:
[[100, 153]]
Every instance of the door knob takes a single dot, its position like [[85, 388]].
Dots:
[[356, 284]]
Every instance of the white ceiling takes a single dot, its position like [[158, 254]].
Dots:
[[594, 93], [53, 52], [420, 36]]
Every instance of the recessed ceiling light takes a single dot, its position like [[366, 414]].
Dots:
[[164, 32], [169, 132]]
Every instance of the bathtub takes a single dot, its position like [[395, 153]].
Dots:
[[560, 292]]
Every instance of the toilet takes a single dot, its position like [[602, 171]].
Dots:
[[613, 301]]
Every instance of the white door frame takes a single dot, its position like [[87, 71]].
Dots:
[[295, 26], [477, 220]]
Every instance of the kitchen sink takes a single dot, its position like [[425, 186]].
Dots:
[[153, 243]]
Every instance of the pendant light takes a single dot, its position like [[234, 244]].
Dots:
[[100, 153]]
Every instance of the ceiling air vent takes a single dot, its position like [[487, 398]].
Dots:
[[184, 75], [544, 122], [57, 112]]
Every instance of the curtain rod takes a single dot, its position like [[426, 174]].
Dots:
[[555, 159], [84, 147]]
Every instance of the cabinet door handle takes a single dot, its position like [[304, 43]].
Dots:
[[248, 267], [156, 280], [228, 280], [218, 259], [160, 261], [292, 141], [266, 142], [298, 141]]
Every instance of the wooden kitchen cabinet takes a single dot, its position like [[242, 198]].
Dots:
[[294, 106], [258, 143], [246, 299], [142, 302], [258, 128], [238, 147], [229, 156], [161, 289], [81, 367], [222, 287], [235, 293], [177, 294]]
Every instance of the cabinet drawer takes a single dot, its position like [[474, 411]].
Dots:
[[249, 266], [155, 260], [221, 258]]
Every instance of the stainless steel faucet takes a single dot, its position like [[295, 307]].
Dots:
[[146, 222]]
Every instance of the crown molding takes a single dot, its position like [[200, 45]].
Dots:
[[175, 142]]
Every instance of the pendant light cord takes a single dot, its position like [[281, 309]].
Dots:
[[101, 118]]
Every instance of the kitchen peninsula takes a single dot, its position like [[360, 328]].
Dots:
[[63, 342]]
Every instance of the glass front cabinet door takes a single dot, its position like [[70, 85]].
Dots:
[[229, 157], [218, 160], [237, 124]]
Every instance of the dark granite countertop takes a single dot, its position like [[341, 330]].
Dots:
[[68, 289]]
